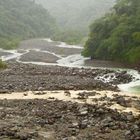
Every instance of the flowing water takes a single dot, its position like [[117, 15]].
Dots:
[[71, 60]]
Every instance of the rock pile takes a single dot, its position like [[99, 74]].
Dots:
[[24, 77], [30, 119]]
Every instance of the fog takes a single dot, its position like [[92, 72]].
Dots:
[[76, 13]]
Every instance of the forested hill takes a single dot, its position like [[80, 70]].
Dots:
[[22, 19], [116, 36]]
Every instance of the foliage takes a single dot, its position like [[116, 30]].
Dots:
[[116, 36], [2, 65], [7, 43], [69, 36], [22, 20]]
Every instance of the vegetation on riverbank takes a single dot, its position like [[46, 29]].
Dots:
[[116, 36], [9, 43], [2, 65], [70, 36], [23, 20]]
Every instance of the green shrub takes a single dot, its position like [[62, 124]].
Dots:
[[116, 36], [2, 65]]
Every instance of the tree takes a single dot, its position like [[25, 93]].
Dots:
[[116, 36], [22, 20]]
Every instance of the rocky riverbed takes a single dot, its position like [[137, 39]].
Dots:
[[25, 77], [42, 102], [32, 112], [52, 119]]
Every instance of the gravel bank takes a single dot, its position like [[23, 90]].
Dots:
[[25, 77]]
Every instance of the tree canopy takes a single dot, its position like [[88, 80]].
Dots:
[[22, 20], [116, 36]]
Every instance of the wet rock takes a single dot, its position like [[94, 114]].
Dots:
[[22, 136], [100, 111], [121, 100], [83, 124], [135, 127], [39, 93], [5, 91], [83, 112], [9, 133], [108, 122], [25, 94], [130, 117], [136, 104], [67, 93], [51, 98], [74, 132], [84, 95], [127, 133], [74, 125]]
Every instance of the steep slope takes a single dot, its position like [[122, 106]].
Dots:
[[117, 35], [21, 20]]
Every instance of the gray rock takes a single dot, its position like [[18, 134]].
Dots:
[[130, 117], [127, 133]]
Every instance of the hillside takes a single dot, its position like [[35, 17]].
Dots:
[[76, 14], [74, 17], [23, 20], [116, 36]]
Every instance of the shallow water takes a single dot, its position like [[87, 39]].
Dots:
[[74, 60]]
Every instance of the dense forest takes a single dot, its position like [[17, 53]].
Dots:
[[22, 20], [74, 16], [116, 36]]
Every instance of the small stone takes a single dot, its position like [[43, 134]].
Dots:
[[83, 124], [67, 93], [51, 98], [83, 111], [127, 133], [25, 94], [135, 127], [75, 125], [73, 132], [130, 117]]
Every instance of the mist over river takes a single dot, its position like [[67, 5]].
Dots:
[[48, 52]]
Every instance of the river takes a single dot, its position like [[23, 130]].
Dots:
[[49, 52]]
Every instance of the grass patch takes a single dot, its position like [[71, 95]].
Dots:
[[3, 65], [8, 43]]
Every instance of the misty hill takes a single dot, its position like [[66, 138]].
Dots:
[[77, 13], [74, 17], [23, 19]]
